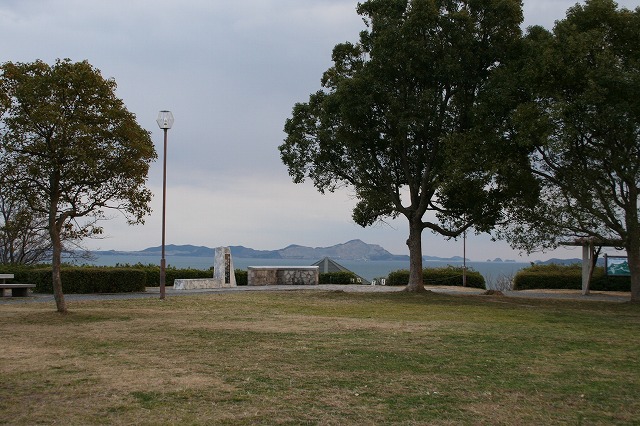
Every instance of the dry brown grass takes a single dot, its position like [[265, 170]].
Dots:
[[320, 358]]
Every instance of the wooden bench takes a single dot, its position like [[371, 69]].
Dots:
[[17, 290]]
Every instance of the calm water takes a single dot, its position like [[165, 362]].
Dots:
[[491, 271]]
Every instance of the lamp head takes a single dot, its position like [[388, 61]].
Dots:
[[165, 119]]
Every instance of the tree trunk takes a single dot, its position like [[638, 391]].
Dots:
[[416, 283], [632, 243], [55, 264], [633, 256]]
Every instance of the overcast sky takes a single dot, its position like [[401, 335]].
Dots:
[[230, 71]]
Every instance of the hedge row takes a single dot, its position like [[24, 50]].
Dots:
[[118, 279], [567, 278], [171, 273], [81, 280], [338, 278], [449, 276], [105, 279]]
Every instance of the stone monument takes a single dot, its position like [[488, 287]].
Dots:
[[223, 270], [223, 274]]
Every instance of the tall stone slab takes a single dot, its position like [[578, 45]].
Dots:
[[223, 274], [223, 270]]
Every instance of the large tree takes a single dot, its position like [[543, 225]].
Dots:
[[407, 119], [76, 152], [583, 125]]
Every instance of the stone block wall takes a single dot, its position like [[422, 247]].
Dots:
[[283, 275], [223, 274]]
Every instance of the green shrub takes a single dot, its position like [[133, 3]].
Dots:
[[101, 279], [171, 273], [448, 276], [21, 273], [567, 278], [452, 275], [81, 280], [341, 277], [400, 277], [242, 277]]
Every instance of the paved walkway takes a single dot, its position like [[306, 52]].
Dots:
[[154, 292]]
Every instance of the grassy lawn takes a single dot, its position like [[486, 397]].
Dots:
[[321, 358]]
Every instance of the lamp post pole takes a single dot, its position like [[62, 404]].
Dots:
[[165, 121], [464, 259]]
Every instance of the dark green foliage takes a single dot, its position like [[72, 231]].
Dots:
[[22, 273], [338, 278], [242, 277], [400, 277], [171, 273], [81, 280], [71, 151], [449, 276], [581, 117], [106, 279], [567, 278], [408, 119]]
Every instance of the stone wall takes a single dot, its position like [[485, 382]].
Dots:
[[200, 284], [282, 275], [223, 274]]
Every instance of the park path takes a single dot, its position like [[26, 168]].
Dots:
[[153, 292]]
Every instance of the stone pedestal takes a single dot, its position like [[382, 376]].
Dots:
[[223, 274]]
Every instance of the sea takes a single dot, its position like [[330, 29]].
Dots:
[[493, 272]]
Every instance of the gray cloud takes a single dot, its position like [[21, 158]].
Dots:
[[230, 71]]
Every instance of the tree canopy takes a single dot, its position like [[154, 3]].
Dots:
[[405, 117], [74, 151], [582, 122]]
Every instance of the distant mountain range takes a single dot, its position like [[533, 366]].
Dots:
[[351, 250]]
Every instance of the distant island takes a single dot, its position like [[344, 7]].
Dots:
[[354, 250]]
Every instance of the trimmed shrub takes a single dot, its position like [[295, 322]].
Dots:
[[567, 278], [399, 277], [452, 276], [449, 276], [242, 277], [106, 279], [171, 273], [341, 277], [603, 282], [21, 273], [82, 280]]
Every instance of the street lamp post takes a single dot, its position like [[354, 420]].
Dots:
[[165, 121], [464, 259]]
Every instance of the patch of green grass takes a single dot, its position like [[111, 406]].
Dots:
[[316, 357]]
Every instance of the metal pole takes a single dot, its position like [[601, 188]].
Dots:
[[587, 260], [464, 259], [164, 212]]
